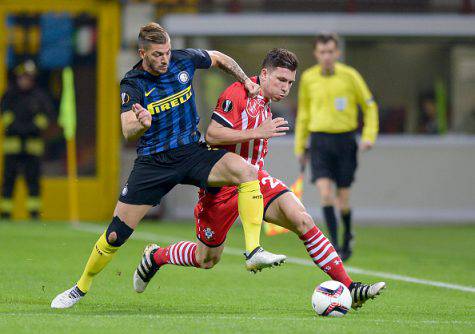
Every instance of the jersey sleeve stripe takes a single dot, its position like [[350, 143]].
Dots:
[[222, 120]]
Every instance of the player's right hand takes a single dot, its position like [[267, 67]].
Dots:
[[302, 159], [272, 128], [143, 116], [251, 87], [366, 145]]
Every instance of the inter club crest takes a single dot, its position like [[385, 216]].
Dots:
[[255, 106], [183, 77]]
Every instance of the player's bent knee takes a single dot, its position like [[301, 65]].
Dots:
[[247, 173], [208, 264], [215, 259], [118, 232], [307, 221], [304, 223], [206, 260]]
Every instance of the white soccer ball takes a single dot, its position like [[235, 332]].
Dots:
[[331, 299]]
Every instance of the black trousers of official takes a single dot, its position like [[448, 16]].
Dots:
[[26, 164]]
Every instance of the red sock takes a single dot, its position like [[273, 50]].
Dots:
[[179, 254], [324, 255]]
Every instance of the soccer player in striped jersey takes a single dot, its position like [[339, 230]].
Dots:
[[243, 125], [158, 109]]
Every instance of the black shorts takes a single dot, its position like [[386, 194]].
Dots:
[[153, 176], [334, 156]]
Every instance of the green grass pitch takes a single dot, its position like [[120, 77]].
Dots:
[[39, 260]]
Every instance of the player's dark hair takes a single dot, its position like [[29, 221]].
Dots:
[[280, 58], [325, 38], [152, 33]]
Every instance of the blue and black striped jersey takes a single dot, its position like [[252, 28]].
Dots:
[[169, 98]]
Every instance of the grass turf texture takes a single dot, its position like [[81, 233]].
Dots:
[[39, 260]]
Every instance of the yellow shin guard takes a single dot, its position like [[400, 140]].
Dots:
[[251, 210]]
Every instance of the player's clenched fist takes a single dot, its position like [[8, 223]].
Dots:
[[272, 128], [143, 116]]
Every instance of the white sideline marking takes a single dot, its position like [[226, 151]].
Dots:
[[146, 236]]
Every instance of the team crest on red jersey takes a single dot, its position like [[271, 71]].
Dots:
[[255, 106], [209, 234]]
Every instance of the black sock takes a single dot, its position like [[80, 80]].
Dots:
[[330, 219], [346, 218]]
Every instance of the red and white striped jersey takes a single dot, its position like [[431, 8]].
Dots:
[[238, 111]]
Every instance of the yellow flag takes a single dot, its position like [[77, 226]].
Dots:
[[297, 187], [272, 229], [67, 109]]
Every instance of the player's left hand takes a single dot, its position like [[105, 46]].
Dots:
[[366, 145], [251, 87], [143, 116]]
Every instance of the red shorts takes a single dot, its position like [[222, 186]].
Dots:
[[216, 213]]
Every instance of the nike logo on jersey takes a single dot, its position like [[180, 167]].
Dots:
[[150, 91]]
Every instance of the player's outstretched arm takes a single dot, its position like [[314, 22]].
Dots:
[[135, 122], [229, 65], [218, 134]]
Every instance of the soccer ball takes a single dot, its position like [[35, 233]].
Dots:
[[331, 298]]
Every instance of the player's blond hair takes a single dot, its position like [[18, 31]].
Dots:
[[152, 33]]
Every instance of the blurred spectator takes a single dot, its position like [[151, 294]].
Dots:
[[26, 110], [428, 115], [392, 120]]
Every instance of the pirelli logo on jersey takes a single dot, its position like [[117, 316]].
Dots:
[[171, 101]]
